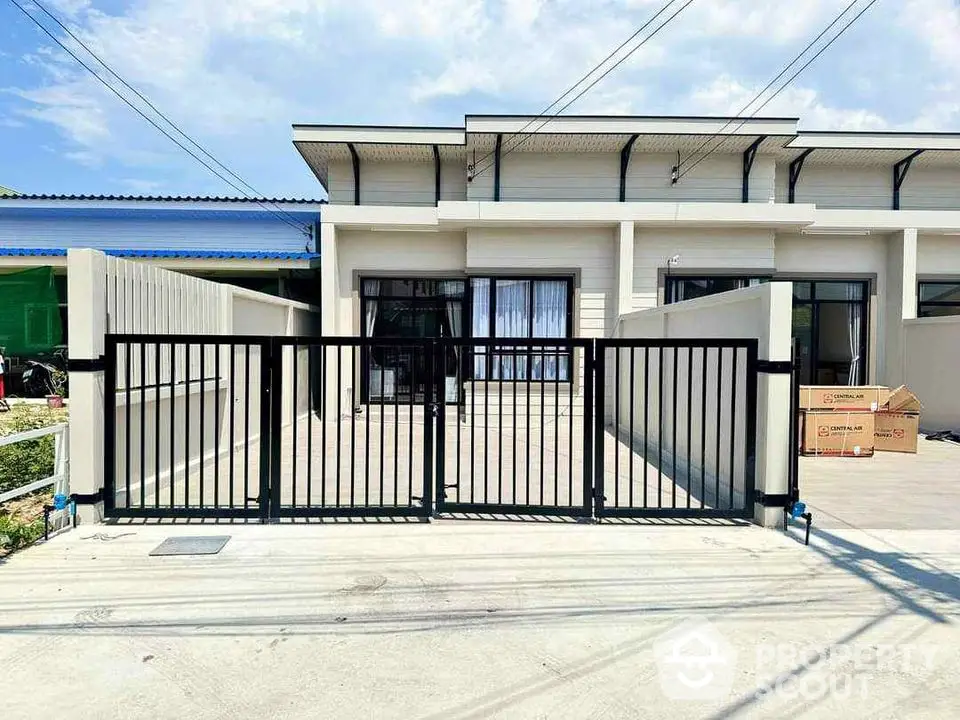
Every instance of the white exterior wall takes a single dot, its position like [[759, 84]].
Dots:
[[402, 254], [719, 178], [708, 250], [453, 180], [931, 349], [930, 188], [831, 185], [587, 251], [383, 183], [938, 255], [560, 176]]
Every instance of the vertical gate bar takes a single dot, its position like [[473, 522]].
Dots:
[[556, 430], [188, 377], [173, 424], [461, 384], [716, 479], [428, 427], [365, 363], [543, 362], [440, 437], [750, 467], [156, 422], [594, 391], [353, 423], [514, 438], [271, 427], [295, 445], [203, 418], [705, 354], [473, 443], [110, 427], [338, 350], [324, 362], [500, 439], [616, 427], [216, 426], [632, 403], [733, 422], [689, 420], [309, 424], [383, 386], [570, 440], [143, 425], [486, 441], [528, 371], [396, 436], [646, 420], [246, 422], [660, 427], [673, 472], [413, 392], [233, 418], [126, 467]]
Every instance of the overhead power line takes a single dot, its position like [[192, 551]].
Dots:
[[546, 118], [758, 96], [255, 196], [583, 79]]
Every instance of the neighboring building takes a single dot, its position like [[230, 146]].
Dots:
[[562, 228], [262, 244]]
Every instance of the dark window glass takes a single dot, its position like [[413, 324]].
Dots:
[[801, 291], [927, 310], [690, 288], [838, 290], [940, 292]]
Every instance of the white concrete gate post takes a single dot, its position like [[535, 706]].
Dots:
[[87, 324]]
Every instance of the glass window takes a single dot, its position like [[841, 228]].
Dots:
[[521, 308], [839, 290], [801, 291], [938, 299], [689, 288]]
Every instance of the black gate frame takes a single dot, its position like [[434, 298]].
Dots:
[[269, 507]]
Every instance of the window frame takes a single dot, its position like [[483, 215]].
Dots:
[[935, 303], [529, 353], [670, 281]]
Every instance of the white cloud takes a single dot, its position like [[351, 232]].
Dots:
[[236, 73]]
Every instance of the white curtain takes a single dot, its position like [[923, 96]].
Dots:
[[480, 323], [549, 321], [512, 321], [371, 288], [854, 330]]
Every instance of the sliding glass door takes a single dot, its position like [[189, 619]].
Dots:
[[830, 321]]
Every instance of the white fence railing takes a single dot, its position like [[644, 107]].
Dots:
[[61, 467]]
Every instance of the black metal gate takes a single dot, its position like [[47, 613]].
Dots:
[[274, 427]]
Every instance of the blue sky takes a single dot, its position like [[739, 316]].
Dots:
[[236, 74]]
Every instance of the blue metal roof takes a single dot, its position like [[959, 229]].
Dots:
[[203, 254]]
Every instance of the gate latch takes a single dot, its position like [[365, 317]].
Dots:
[[434, 410]]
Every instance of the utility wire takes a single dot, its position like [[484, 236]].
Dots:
[[788, 81], [479, 171], [770, 84], [281, 215], [577, 84]]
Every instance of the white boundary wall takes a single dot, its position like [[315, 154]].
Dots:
[[931, 359], [110, 295], [764, 313]]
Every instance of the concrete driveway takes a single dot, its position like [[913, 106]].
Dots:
[[471, 619]]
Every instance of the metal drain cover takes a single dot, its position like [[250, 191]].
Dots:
[[201, 545]]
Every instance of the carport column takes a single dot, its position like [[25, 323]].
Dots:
[[330, 314], [774, 444], [87, 323], [901, 301]]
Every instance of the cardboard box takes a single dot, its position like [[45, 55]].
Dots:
[[843, 397], [837, 434], [896, 431], [903, 401]]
